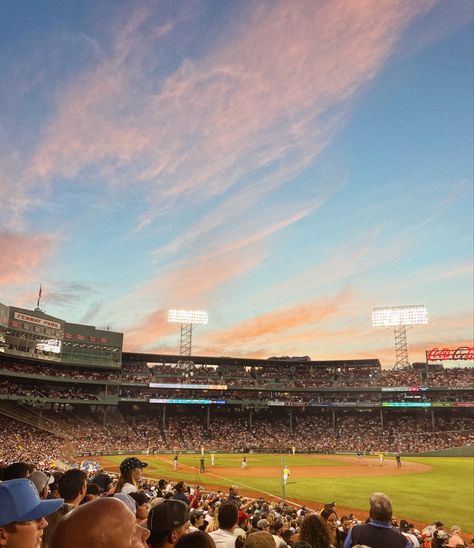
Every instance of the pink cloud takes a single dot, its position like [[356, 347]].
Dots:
[[280, 325], [22, 255], [265, 96]]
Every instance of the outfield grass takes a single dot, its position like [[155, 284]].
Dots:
[[443, 493]]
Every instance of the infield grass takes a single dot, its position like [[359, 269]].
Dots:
[[444, 492]]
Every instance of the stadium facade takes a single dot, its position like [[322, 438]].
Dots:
[[51, 365]]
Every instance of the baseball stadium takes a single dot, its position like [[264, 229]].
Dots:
[[285, 431]]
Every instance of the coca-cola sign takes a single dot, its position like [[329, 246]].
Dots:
[[440, 354]]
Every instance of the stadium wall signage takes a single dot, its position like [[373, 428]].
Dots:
[[36, 320], [461, 353]]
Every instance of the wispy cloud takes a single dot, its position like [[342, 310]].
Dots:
[[224, 119], [281, 327]]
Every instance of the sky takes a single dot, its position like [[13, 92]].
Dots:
[[284, 166]]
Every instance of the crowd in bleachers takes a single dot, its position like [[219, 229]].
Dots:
[[88, 507], [302, 375], [30, 390], [55, 371], [87, 433]]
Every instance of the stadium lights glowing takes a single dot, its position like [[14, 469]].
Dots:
[[187, 319], [399, 315], [196, 317]]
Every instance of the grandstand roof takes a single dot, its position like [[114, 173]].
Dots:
[[246, 362]]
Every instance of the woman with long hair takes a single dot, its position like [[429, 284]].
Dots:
[[130, 475], [329, 517], [313, 531]]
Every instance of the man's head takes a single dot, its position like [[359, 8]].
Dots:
[[42, 482], [260, 539], [22, 514], [196, 518], [277, 527], [346, 523], [167, 522], [101, 523], [380, 507], [263, 524], [16, 470], [228, 515], [233, 491], [72, 486]]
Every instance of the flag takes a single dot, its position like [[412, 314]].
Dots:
[[39, 297]]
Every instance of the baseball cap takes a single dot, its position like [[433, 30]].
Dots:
[[168, 515], [439, 524], [261, 523], [140, 497], [127, 500], [103, 480], [19, 501], [243, 515], [131, 463], [40, 480]]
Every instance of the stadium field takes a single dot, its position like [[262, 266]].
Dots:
[[423, 490]]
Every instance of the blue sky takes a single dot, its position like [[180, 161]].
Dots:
[[285, 166]]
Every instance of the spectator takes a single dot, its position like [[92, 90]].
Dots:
[[196, 539], [455, 538], [42, 483], [22, 514], [130, 475], [227, 517], [102, 523], [196, 519], [16, 470], [104, 481], [167, 522], [72, 487], [314, 532], [346, 526], [142, 502], [260, 539], [329, 518], [180, 488], [277, 530], [377, 532]]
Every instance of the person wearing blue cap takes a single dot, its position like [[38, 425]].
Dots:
[[22, 514]]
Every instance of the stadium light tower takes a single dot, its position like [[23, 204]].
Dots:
[[187, 319], [397, 318]]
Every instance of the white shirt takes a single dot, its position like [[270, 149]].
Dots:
[[128, 488], [280, 543], [223, 538]]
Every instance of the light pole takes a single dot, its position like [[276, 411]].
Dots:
[[397, 318], [186, 320]]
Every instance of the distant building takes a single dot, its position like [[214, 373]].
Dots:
[[34, 334]]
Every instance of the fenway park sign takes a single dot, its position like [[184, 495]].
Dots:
[[461, 353]]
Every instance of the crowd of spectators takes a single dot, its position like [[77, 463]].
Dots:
[[304, 375], [89, 507], [86, 433], [28, 390]]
